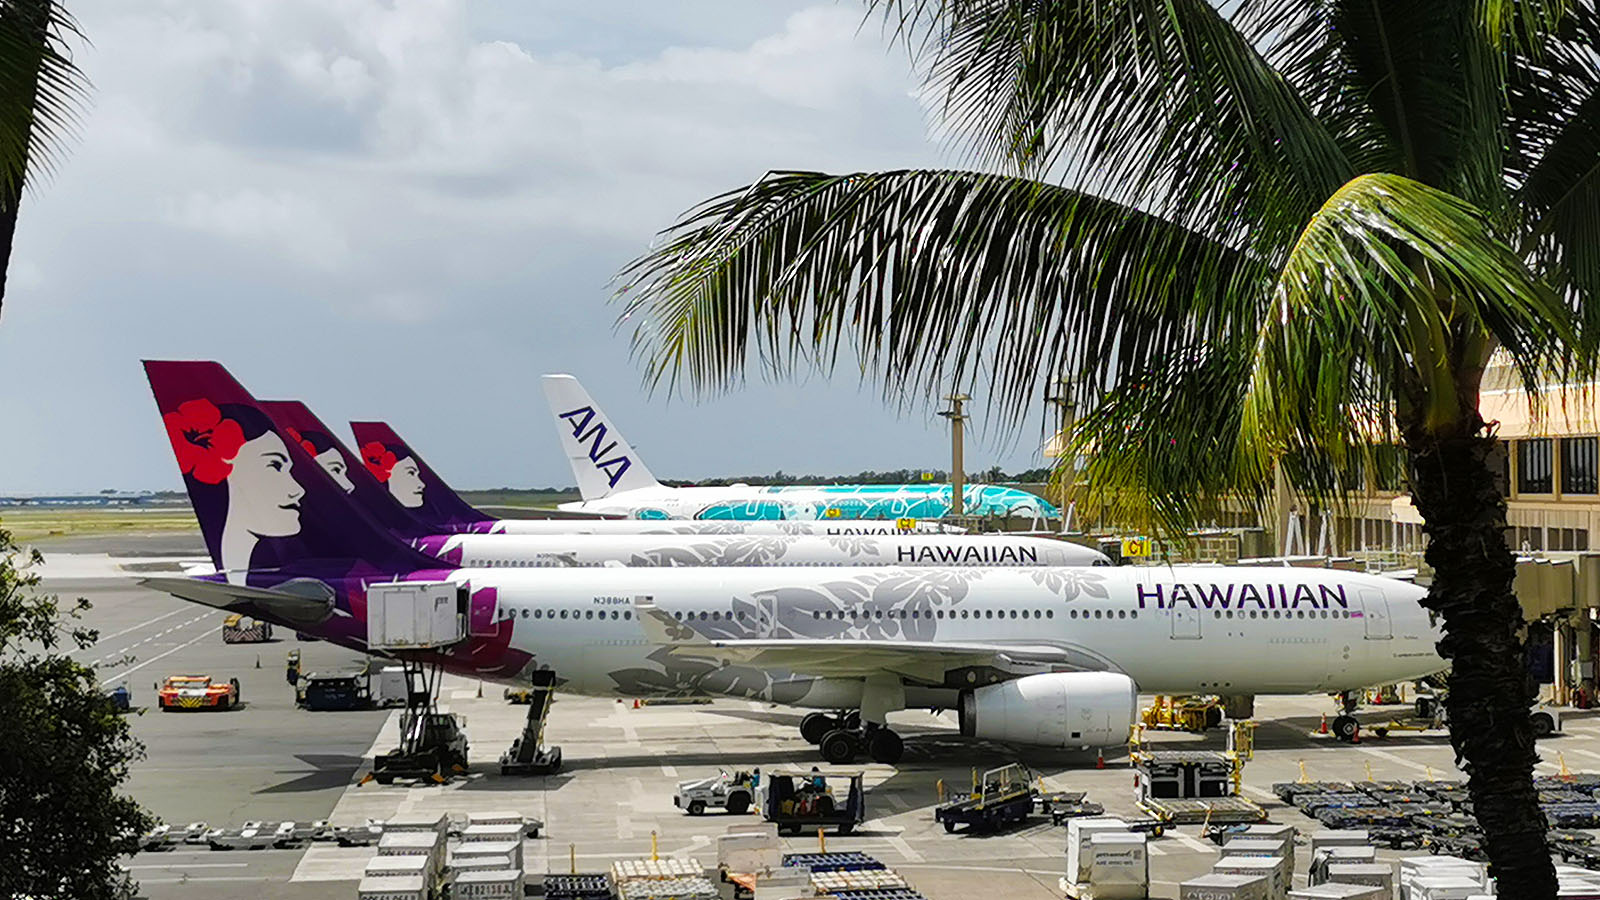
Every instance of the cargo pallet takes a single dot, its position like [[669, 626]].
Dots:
[[1217, 810], [1003, 796]]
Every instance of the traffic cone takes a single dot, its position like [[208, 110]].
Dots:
[[636, 703], [1355, 738], [1099, 760], [1323, 728]]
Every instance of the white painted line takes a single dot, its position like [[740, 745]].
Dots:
[[203, 635], [1395, 758], [1192, 842], [899, 843], [193, 866], [1589, 753], [113, 634], [213, 878], [669, 771]]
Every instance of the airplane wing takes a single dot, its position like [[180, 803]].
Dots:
[[285, 606], [922, 661]]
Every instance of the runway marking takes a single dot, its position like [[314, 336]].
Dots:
[[192, 866], [1192, 842], [208, 878], [669, 771], [106, 637], [203, 635], [1589, 753], [1263, 793], [123, 652], [1396, 758], [899, 843]]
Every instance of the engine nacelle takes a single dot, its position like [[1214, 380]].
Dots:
[[1061, 709]]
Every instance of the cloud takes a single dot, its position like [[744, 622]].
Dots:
[[314, 190]]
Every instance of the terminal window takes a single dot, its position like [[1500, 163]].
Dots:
[[1534, 468], [1578, 465]]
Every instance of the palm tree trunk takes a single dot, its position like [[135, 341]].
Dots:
[[1454, 487]]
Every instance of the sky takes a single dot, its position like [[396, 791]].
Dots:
[[411, 209]]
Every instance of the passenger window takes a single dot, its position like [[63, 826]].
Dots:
[[1122, 614], [716, 616], [702, 615], [1097, 614], [524, 612], [915, 614], [678, 616], [1134, 614], [1216, 614], [1049, 614], [816, 614], [1013, 614], [563, 614], [613, 614], [588, 614]]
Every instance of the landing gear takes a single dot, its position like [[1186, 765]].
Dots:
[[1348, 701], [528, 755], [815, 726], [885, 746], [839, 747], [1345, 727]]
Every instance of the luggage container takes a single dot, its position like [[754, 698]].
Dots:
[[498, 833], [1336, 891], [1352, 837], [1373, 874], [459, 863], [399, 867], [1219, 886], [415, 823], [487, 884], [511, 849], [1259, 847], [416, 843], [1079, 834], [1274, 868], [530, 826], [1119, 866], [392, 888]]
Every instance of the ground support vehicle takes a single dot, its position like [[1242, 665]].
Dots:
[[730, 791], [1396, 838], [250, 836], [197, 692], [236, 629], [358, 835], [121, 699], [161, 837], [1003, 796], [799, 802], [1583, 854], [1192, 714], [1063, 805], [333, 692], [528, 755], [1582, 782], [1466, 846], [432, 744], [1195, 786], [1572, 815]]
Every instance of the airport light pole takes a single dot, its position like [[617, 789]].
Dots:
[[956, 417], [1061, 399]]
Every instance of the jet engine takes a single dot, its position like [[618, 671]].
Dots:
[[1061, 709]]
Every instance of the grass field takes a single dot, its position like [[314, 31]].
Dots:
[[34, 523]]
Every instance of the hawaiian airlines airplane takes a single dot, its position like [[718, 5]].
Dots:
[[364, 481], [1046, 656], [613, 480], [415, 485]]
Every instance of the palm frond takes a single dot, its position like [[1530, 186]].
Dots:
[[41, 90], [1368, 317], [1159, 103], [933, 277]]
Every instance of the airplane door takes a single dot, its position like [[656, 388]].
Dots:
[[483, 612], [1185, 622], [1375, 612]]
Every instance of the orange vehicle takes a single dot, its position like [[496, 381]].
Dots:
[[197, 692]]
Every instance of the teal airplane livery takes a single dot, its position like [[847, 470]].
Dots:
[[614, 481]]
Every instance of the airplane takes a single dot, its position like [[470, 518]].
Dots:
[[1045, 656], [429, 499], [365, 479], [613, 480]]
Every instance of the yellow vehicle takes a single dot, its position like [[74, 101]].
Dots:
[[236, 629], [1193, 714]]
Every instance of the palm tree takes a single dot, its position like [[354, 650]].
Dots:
[[40, 90], [1270, 239]]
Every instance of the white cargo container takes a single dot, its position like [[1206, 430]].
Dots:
[[498, 833], [530, 827], [750, 848], [1079, 832], [1444, 887], [415, 615], [400, 867], [487, 884], [414, 823], [415, 843], [1350, 837], [1336, 891], [1274, 868], [1375, 874], [460, 863], [1263, 831], [1218, 886], [392, 888], [388, 686], [1119, 866], [1258, 847], [510, 849]]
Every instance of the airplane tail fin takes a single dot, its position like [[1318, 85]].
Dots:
[[602, 459], [343, 466], [412, 482], [262, 501]]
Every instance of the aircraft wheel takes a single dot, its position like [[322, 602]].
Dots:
[[814, 726], [839, 747], [885, 746], [1344, 727]]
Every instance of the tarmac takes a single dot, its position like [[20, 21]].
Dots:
[[269, 760]]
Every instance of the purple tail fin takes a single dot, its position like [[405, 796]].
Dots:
[[413, 482], [344, 467], [261, 500]]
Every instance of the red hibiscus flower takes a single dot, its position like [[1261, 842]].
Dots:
[[379, 459], [204, 442], [311, 449]]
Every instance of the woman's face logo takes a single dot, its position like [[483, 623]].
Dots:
[[262, 495], [332, 462], [405, 483]]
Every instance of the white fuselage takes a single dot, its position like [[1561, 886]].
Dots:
[[824, 527], [812, 502], [525, 551], [1180, 630]]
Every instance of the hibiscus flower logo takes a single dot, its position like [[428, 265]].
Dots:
[[310, 448], [204, 442], [379, 459]]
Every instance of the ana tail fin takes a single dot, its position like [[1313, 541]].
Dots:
[[262, 501], [412, 482], [601, 457]]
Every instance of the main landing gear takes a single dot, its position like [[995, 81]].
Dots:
[[1345, 727], [843, 737]]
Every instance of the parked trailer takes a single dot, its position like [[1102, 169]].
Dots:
[[236, 629], [1003, 796], [806, 801]]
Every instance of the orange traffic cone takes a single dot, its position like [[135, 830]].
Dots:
[[1355, 737], [636, 703], [1323, 728], [1100, 760]]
